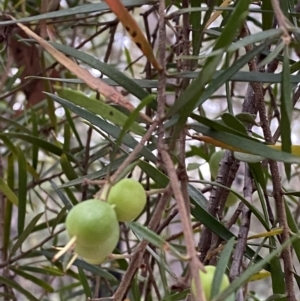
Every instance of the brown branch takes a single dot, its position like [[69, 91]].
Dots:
[[226, 174], [244, 229], [195, 264]]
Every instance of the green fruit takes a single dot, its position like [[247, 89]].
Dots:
[[94, 261], [129, 198], [96, 254], [214, 162], [207, 281], [92, 222]]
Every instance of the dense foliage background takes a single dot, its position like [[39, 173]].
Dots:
[[81, 104]]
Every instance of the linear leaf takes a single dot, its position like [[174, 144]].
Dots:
[[81, 9], [115, 75], [244, 277], [8, 192], [153, 238], [247, 145], [18, 287], [47, 146], [108, 128], [100, 108], [221, 267], [286, 106], [43, 284], [22, 190], [28, 230], [84, 282], [86, 266]]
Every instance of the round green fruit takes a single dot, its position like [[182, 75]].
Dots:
[[92, 222], [207, 281], [214, 162], [129, 198], [96, 254]]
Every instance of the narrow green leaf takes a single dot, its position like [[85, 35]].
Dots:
[[37, 281], [72, 125], [99, 107], [8, 203], [130, 121], [277, 297], [111, 72], [82, 264], [84, 282], [98, 174], [273, 54], [45, 270], [80, 9], [67, 137], [248, 145], [258, 173], [267, 16], [68, 169], [286, 106], [105, 126], [59, 218], [18, 287], [22, 190], [47, 146], [277, 275], [15, 125], [129, 61], [294, 193], [284, 7], [8, 192], [244, 277], [293, 227], [65, 201], [178, 296], [197, 27], [232, 122], [46, 225], [71, 196], [28, 230], [153, 238], [35, 132], [51, 112], [221, 267], [232, 74]]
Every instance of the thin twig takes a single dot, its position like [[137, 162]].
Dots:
[[195, 264], [244, 229]]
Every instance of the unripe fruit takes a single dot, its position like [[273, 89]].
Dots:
[[214, 162], [97, 253], [207, 281], [129, 198], [92, 222]]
